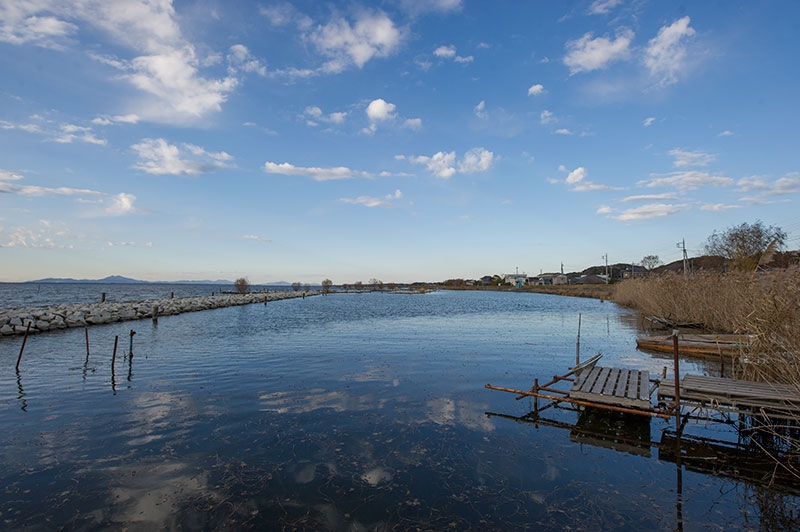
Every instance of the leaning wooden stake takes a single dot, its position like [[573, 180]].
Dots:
[[21, 349], [114, 356], [677, 380], [86, 330]]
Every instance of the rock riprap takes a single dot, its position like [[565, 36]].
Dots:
[[15, 320]]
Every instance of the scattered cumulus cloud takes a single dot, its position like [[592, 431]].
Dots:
[[788, 184], [576, 176], [686, 180], [603, 7], [577, 182], [241, 60], [476, 160], [726, 133], [322, 174], [314, 114], [605, 209], [666, 52], [257, 238], [380, 109], [646, 212], [650, 197], [586, 53], [648, 121], [441, 164], [373, 34], [413, 123], [157, 156], [717, 207], [563, 131], [105, 120], [686, 159], [535, 89], [449, 52], [369, 201], [480, 110], [546, 117], [419, 7]]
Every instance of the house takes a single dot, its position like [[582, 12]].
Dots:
[[516, 279], [551, 279], [486, 280], [634, 272]]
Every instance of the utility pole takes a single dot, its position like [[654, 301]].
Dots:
[[606, 258], [562, 268], [682, 245]]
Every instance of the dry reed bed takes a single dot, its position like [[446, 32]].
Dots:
[[766, 305]]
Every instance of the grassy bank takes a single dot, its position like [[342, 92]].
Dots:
[[766, 305], [596, 291]]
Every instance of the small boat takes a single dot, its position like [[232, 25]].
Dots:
[[698, 344]]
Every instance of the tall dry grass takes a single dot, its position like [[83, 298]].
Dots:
[[765, 305]]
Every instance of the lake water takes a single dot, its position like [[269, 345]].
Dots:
[[344, 412]]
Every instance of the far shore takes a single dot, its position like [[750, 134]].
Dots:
[[595, 291]]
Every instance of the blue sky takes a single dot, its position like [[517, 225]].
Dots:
[[403, 140]]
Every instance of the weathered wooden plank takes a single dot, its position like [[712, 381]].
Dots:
[[644, 385], [633, 384], [582, 376], [601, 380], [622, 383], [587, 385], [611, 382]]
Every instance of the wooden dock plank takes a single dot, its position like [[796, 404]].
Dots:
[[611, 382], [644, 385], [582, 376], [633, 384], [734, 395], [601, 380], [589, 382], [622, 385]]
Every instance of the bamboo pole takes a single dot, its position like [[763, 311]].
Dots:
[[644, 412], [86, 330], [578, 343], [21, 349], [114, 356]]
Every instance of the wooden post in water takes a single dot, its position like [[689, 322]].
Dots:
[[155, 314], [535, 398], [86, 330], [130, 354], [578, 344], [21, 349], [114, 356], [103, 297], [172, 295], [677, 382]]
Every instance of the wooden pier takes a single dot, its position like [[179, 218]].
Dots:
[[731, 395], [613, 386]]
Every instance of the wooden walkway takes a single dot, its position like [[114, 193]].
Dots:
[[613, 386], [734, 395]]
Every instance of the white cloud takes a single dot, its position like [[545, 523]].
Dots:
[[788, 184], [717, 207], [121, 204], [446, 52], [650, 197], [535, 89], [71, 132], [651, 210], [35, 190], [576, 176], [129, 244], [562, 168], [585, 186], [586, 54], [369, 201], [476, 160], [241, 60], [6, 175], [726, 133], [316, 113], [685, 159], [687, 180], [157, 156], [605, 209], [648, 121], [317, 174], [666, 52], [461, 59], [257, 238], [563, 131], [380, 109], [104, 120], [440, 164], [545, 117], [480, 110], [602, 7], [418, 7], [18, 25], [413, 123], [372, 35]]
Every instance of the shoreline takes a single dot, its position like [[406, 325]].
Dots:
[[14, 321], [599, 291]]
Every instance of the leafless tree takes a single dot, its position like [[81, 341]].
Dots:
[[242, 285], [744, 244], [306, 287], [296, 286], [326, 285], [651, 261]]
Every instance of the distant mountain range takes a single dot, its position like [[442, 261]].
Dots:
[[118, 279]]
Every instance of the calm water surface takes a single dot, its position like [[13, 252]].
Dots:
[[343, 412]]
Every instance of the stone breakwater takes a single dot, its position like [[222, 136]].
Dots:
[[15, 321]]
